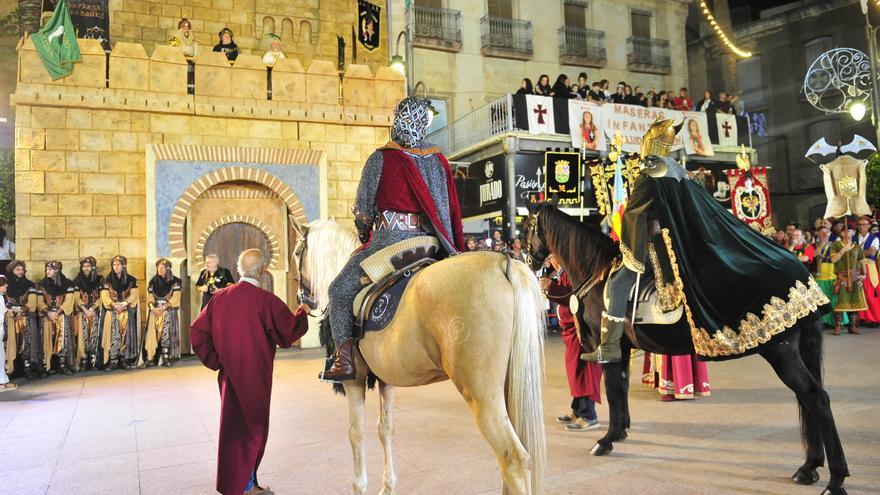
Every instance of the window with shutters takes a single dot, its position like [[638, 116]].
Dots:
[[501, 8], [816, 47], [575, 13], [641, 23]]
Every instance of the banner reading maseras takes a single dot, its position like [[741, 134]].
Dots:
[[591, 125]]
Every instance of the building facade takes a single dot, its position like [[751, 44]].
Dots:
[[468, 53], [785, 40]]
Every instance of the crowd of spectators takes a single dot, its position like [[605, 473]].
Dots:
[[496, 242], [600, 92]]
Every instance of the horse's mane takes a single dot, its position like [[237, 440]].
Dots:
[[584, 250], [329, 248]]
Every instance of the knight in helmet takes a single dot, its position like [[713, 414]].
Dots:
[[406, 190], [739, 289]]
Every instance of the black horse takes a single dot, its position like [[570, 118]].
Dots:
[[587, 255]]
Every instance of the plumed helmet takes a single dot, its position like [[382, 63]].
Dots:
[[55, 265], [121, 259], [88, 259], [659, 138], [411, 120]]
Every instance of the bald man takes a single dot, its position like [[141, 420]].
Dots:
[[236, 334]]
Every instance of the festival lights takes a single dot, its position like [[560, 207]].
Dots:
[[720, 32]]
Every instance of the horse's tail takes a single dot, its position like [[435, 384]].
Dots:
[[525, 369], [811, 354]]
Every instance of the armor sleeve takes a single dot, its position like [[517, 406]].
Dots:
[[634, 228], [364, 208]]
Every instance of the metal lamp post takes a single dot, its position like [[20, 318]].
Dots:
[[871, 33]]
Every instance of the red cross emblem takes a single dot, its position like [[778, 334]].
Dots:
[[727, 127], [541, 111]]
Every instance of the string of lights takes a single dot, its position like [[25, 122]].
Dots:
[[720, 32]]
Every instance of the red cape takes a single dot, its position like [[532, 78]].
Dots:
[[236, 334], [402, 188]]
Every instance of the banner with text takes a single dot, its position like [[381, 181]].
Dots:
[[91, 19], [633, 121]]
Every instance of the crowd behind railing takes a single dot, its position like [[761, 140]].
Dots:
[[599, 92]]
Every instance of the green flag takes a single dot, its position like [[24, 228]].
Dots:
[[56, 42]]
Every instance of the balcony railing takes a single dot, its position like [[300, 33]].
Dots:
[[648, 55], [488, 121], [504, 37], [437, 28], [579, 46]]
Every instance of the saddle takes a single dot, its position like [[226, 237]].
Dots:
[[650, 311], [389, 272]]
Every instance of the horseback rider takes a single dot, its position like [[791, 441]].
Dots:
[[638, 225], [738, 288], [406, 190]]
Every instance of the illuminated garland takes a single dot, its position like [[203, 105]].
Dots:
[[712, 22]]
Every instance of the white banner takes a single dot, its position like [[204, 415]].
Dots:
[[540, 112], [585, 122], [633, 122], [726, 129], [695, 134]]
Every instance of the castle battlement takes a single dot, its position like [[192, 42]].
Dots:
[[129, 79]]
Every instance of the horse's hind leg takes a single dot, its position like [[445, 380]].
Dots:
[[355, 392], [386, 434], [490, 414], [788, 365]]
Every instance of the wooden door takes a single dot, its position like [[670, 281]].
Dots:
[[228, 241]]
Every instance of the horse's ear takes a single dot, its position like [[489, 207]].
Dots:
[[553, 200]]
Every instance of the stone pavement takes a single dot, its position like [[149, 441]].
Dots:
[[155, 432]]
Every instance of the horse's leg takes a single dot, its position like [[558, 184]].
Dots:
[[788, 364], [490, 414], [627, 367], [386, 434], [355, 391], [614, 393]]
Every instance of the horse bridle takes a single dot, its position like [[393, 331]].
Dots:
[[304, 291]]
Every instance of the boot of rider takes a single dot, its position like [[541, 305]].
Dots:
[[612, 331], [343, 364]]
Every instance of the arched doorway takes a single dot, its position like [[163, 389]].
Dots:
[[229, 240]]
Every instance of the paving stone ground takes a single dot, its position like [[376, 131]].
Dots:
[[155, 432]]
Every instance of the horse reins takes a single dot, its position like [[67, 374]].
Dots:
[[304, 292]]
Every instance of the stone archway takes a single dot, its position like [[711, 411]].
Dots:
[[177, 223], [273, 262]]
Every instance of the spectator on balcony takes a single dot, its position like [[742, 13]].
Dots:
[[525, 87], [662, 99], [707, 104], [595, 94], [543, 87], [185, 39], [684, 102], [583, 85], [629, 97], [605, 91], [227, 45], [619, 95], [651, 101], [725, 102], [576, 92], [274, 54], [561, 88]]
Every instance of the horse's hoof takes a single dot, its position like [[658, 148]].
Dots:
[[623, 436], [834, 491], [804, 477], [600, 449]]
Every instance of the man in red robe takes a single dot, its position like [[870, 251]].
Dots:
[[583, 377], [236, 334]]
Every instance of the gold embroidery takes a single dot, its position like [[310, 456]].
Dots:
[[629, 260], [777, 316], [668, 295]]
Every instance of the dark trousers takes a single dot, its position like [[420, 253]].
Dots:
[[584, 408]]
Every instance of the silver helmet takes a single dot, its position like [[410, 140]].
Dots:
[[411, 120]]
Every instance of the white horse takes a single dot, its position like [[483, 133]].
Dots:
[[440, 332]]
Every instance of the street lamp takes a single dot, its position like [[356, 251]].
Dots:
[[857, 110]]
